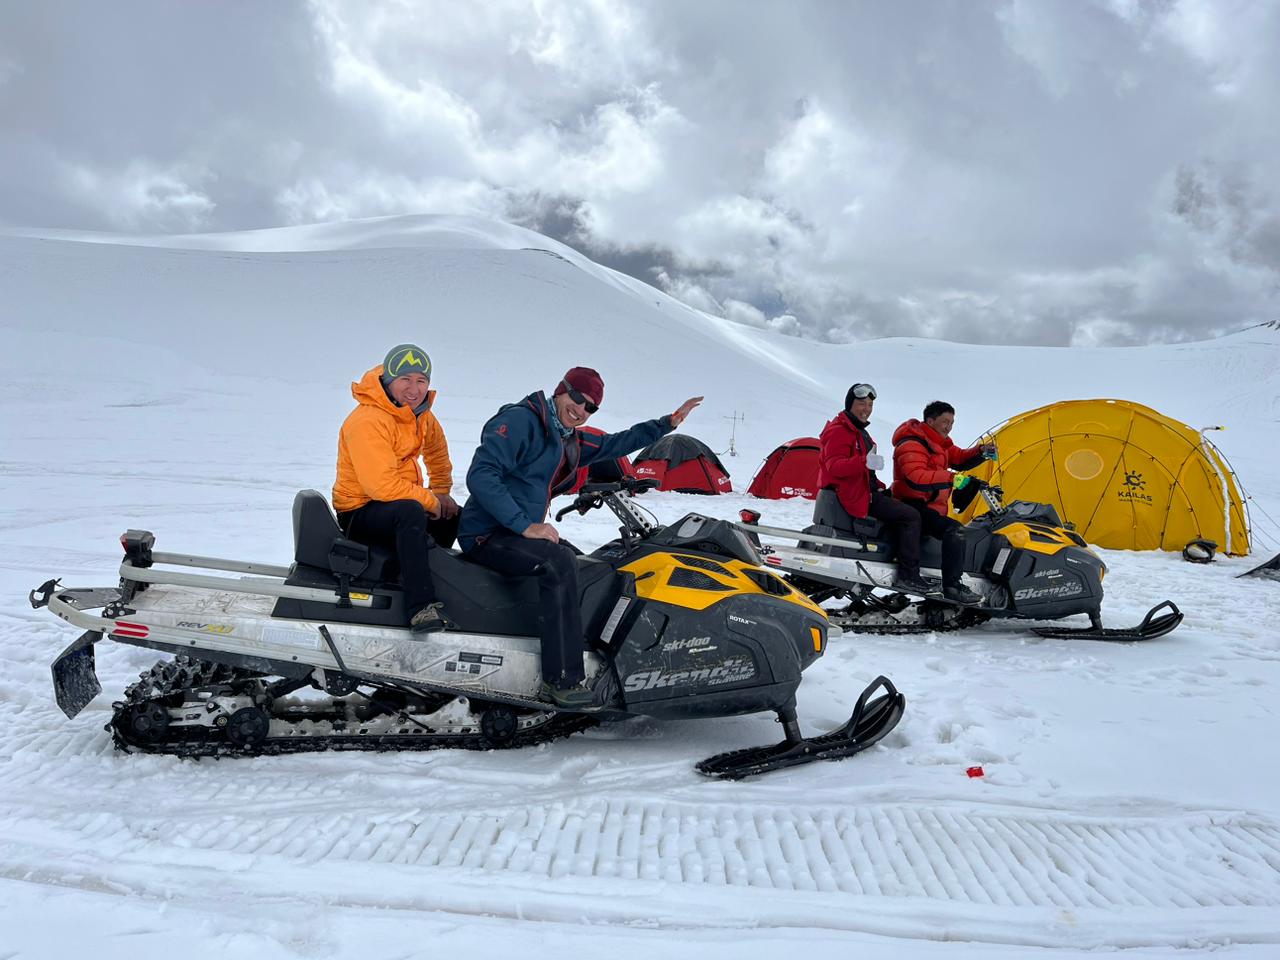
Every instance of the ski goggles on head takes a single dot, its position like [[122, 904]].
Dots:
[[861, 391], [581, 398]]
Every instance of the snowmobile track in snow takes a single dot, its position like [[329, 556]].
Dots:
[[1005, 859]]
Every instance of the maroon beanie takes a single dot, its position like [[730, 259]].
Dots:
[[586, 381]]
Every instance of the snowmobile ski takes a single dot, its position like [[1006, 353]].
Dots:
[[1152, 626], [870, 721]]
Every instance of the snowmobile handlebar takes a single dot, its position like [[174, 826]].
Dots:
[[581, 504], [593, 495], [632, 485], [994, 496]]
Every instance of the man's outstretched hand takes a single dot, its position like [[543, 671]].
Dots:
[[686, 408]]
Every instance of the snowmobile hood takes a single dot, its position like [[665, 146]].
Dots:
[[370, 392]]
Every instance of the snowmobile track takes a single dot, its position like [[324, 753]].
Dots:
[[1051, 859]]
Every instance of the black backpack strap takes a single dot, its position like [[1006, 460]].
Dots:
[[932, 489], [912, 437]]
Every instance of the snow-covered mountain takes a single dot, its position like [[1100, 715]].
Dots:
[[191, 385]]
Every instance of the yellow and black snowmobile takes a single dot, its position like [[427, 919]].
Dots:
[[685, 622], [1020, 560]]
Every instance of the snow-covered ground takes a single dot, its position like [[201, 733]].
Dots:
[[190, 385]]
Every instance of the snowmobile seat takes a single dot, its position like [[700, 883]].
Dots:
[[318, 542], [476, 598], [828, 511]]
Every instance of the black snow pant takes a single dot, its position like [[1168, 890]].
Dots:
[[902, 525], [560, 616], [405, 527], [934, 524]]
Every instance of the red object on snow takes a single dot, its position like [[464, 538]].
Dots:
[[790, 471], [975, 772]]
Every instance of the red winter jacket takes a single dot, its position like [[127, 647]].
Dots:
[[842, 463], [922, 463]]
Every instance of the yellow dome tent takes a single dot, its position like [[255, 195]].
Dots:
[[1127, 476]]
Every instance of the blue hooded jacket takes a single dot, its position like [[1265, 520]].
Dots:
[[522, 462]]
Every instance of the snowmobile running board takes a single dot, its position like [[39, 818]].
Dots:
[[1152, 626]]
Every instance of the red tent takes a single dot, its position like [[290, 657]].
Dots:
[[602, 471], [790, 471], [683, 464]]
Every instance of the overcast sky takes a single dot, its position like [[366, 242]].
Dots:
[[1070, 172]]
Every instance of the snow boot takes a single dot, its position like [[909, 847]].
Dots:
[[429, 619], [959, 593], [914, 583], [569, 698]]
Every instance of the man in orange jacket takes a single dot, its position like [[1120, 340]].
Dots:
[[379, 495], [924, 456]]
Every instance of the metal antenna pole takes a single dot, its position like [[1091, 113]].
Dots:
[[733, 433]]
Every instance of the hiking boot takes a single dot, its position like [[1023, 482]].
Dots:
[[959, 593], [569, 698], [429, 619], [915, 584]]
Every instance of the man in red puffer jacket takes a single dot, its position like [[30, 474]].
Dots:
[[847, 463], [924, 457]]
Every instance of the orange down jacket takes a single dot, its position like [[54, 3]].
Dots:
[[378, 449], [922, 463]]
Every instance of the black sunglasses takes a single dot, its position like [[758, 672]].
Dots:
[[581, 398], [863, 390]]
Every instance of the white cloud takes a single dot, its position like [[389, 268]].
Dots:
[[9, 68], [352, 195], [1034, 37], [145, 197], [1005, 171], [744, 313]]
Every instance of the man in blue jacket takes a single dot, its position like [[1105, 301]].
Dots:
[[530, 452]]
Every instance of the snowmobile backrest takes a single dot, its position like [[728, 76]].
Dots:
[[828, 511], [318, 542]]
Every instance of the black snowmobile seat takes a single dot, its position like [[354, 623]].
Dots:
[[476, 598], [828, 511], [318, 542]]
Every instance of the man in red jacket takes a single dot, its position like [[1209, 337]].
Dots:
[[924, 457], [847, 463]]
